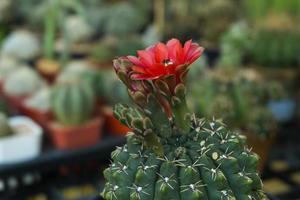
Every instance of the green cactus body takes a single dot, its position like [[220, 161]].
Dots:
[[72, 102], [210, 162], [279, 48], [5, 129]]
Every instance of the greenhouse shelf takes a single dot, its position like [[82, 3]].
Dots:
[[52, 158]]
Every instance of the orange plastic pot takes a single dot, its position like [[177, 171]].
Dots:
[[112, 125], [74, 137]]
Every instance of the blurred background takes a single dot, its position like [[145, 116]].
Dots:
[[57, 86]]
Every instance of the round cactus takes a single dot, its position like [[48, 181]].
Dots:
[[5, 129], [170, 153], [275, 42], [72, 101], [78, 29], [40, 100], [7, 66], [22, 82], [22, 45]]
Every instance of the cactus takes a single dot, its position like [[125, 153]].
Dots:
[[275, 42], [72, 101], [7, 66], [78, 29], [170, 153], [22, 45], [118, 17], [22, 82], [234, 45], [5, 129], [39, 100]]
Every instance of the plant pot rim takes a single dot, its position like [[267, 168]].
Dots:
[[57, 125]]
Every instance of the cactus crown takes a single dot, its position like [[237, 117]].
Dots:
[[171, 154]]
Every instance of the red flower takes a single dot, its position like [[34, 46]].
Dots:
[[163, 59]]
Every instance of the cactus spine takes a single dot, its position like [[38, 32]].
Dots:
[[72, 102], [5, 129], [172, 154]]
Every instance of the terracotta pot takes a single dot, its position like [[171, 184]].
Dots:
[[261, 147], [73, 137], [41, 117], [16, 102], [112, 125], [49, 69]]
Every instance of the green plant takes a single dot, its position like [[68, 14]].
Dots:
[[275, 47], [119, 16], [21, 45], [232, 100], [234, 45], [5, 129], [8, 65], [255, 10], [170, 153], [54, 15], [72, 101], [22, 82]]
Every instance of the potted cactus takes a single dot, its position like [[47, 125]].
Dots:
[[20, 139], [172, 154], [20, 85], [21, 45], [72, 103]]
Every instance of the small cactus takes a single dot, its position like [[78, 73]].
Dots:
[[22, 45], [40, 100], [5, 129], [170, 153], [275, 42], [22, 82], [72, 101], [7, 66], [78, 29]]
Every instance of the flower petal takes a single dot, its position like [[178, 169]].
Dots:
[[146, 57], [135, 61], [161, 52]]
